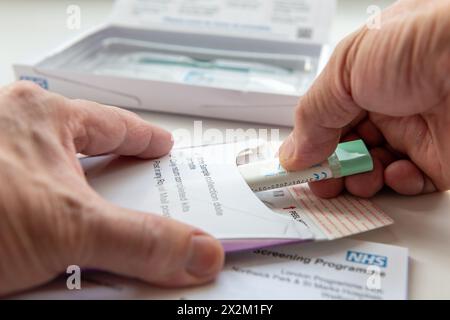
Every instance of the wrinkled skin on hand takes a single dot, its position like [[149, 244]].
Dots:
[[49, 216], [390, 87]]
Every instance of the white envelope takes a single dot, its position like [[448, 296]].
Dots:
[[202, 186]]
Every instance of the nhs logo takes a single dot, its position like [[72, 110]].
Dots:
[[39, 81], [367, 258]]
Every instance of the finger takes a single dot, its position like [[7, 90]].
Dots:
[[351, 136], [362, 185], [367, 184], [384, 155], [321, 115], [348, 130], [98, 129], [327, 188], [406, 178], [152, 248], [370, 133], [412, 138]]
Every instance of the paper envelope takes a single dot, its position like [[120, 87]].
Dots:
[[202, 186]]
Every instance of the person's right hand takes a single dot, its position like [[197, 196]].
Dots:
[[390, 87]]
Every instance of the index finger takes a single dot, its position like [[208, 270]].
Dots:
[[99, 129]]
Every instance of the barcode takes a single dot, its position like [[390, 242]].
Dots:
[[304, 33]]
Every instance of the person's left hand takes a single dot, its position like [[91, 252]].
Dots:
[[49, 216]]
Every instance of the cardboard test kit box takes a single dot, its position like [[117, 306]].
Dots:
[[238, 60]]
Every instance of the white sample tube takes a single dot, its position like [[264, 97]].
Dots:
[[349, 158]]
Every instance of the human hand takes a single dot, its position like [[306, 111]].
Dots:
[[51, 218], [390, 87]]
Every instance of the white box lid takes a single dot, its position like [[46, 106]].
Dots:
[[303, 21]]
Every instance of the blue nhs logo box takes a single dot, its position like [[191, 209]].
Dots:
[[367, 258], [39, 81]]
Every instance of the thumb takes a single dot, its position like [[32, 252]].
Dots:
[[152, 248], [321, 115]]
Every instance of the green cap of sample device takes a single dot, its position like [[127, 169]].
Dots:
[[353, 158]]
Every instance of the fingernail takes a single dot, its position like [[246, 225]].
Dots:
[[206, 257], [287, 149]]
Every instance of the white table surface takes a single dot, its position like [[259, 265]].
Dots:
[[422, 224]]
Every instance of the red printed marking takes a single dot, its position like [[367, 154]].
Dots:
[[360, 211], [313, 216], [351, 213], [339, 199], [341, 216], [379, 213], [334, 214], [324, 215]]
